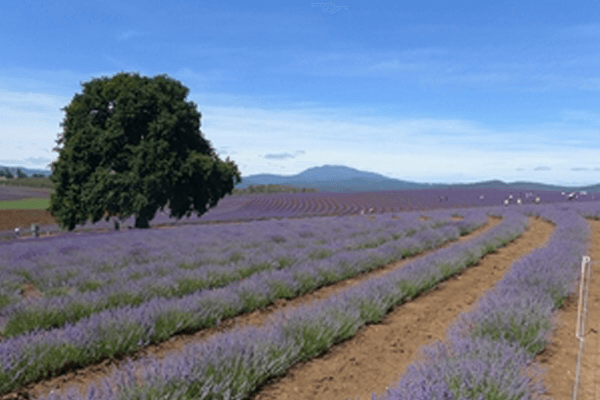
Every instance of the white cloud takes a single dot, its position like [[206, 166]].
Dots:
[[20, 100], [29, 128], [247, 129], [419, 149], [283, 156]]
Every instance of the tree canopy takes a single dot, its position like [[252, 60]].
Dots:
[[131, 145], [21, 174], [6, 173]]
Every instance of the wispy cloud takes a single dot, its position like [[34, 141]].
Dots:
[[31, 100], [204, 79], [448, 66], [580, 116], [268, 81], [283, 156], [592, 84], [580, 169], [38, 161]]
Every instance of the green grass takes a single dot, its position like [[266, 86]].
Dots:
[[44, 183], [25, 204]]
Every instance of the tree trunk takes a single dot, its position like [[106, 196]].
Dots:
[[141, 222], [144, 216]]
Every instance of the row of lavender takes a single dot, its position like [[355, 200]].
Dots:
[[188, 245], [285, 205], [85, 275], [489, 352], [8, 192], [113, 245], [288, 205], [123, 330], [233, 364]]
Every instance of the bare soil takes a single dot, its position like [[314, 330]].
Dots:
[[378, 355], [81, 378], [560, 356], [11, 219]]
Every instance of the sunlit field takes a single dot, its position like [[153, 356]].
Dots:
[[25, 204], [72, 301]]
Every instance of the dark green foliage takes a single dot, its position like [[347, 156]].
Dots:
[[132, 145], [285, 262], [21, 174], [281, 290], [6, 173], [478, 391], [278, 239], [33, 181], [371, 244], [236, 257], [527, 335], [320, 254], [409, 289], [87, 286], [4, 301]]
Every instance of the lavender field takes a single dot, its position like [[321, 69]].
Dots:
[[302, 205], [173, 284], [87, 274], [105, 295], [21, 192]]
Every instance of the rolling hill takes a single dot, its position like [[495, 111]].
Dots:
[[342, 179]]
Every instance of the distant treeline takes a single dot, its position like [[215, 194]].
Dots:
[[5, 172], [45, 182], [268, 189], [34, 181]]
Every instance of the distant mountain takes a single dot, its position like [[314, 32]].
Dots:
[[342, 179], [27, 171], [333, 178]]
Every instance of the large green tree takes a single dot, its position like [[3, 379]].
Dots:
[[132, 145]]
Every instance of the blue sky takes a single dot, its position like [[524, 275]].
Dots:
[[428, 91]]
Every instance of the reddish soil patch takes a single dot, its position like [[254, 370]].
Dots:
[[95, 373], [30, 292], [560, 356], [11, 219], [379, 354]]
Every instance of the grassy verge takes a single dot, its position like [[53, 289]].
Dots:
[[25, 204], [45, 182]]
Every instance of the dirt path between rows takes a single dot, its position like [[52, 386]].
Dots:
[[81, 378], [560, 356], [379, 354]]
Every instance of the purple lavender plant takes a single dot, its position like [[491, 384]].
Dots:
[[233, 364], [489, 354]]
